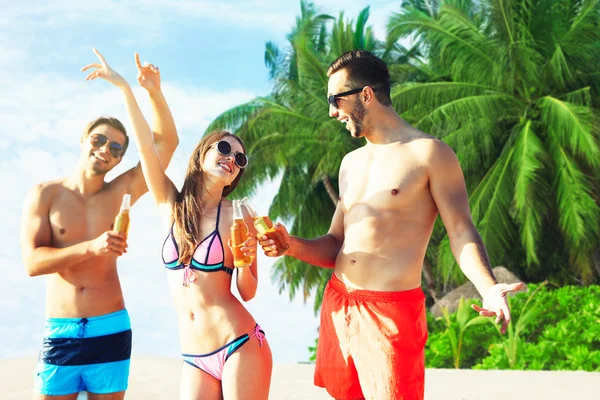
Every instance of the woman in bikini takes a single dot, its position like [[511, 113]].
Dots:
[[225, 353]]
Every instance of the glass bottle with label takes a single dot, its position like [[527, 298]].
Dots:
[[264, 227], [122, 220], [239, 234]]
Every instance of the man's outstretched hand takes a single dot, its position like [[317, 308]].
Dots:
[[495, 304]]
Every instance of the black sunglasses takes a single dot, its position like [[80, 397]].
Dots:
[[224, 149], [332, 99], [98, 140]]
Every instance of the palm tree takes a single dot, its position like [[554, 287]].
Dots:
[[289, 133], [516, 96]]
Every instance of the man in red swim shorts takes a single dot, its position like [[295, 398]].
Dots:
[[373, 328]]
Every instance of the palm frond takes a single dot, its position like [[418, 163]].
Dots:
[[490, 205], [433, 94], [574, 125], [531, 189]]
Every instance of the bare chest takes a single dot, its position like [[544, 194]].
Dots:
[[383, 185], [73, 219]]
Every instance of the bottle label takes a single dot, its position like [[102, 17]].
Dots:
[[261, 226]]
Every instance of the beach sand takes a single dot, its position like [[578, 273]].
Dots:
[[154, 378]]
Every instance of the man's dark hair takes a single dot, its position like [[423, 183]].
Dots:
[[110, 121], [364, 69]]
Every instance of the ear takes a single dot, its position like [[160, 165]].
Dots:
[[367, 94]]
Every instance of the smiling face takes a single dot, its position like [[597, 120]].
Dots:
[[100, 160], [222, 167], [350, 111]]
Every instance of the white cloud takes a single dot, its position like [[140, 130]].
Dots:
[[58, 108]]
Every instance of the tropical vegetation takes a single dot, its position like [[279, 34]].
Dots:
[[512, 86]]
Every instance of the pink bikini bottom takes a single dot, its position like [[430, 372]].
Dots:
[[213, 363]]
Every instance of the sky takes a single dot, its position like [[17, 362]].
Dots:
[[211, 58]]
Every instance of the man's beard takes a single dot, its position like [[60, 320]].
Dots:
[[99, 169], [357, 116]]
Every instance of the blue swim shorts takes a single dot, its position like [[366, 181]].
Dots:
[[84, 354]]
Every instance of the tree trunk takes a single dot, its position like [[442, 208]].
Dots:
[[330, 190], [429, 280]]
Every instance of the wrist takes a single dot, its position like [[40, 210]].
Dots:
[[125, 87], [292, 246], [485, 289], [87, 248], [155, 94]]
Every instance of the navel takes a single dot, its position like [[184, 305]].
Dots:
[[353, 261], [395, 192], [62, 231]]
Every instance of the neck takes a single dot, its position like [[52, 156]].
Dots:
[[85, 182], [386, 127], [212, 195]]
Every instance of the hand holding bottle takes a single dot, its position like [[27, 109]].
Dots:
[[278, 241], [271, 242], [247, 248], [110, 243], [239, 238]]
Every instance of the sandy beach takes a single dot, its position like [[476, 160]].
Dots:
[[154, 378]]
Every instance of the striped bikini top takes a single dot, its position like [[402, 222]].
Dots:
[[209, 255]]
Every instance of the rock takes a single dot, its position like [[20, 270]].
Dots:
[[468, 291]]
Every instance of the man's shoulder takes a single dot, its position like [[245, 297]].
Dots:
[[43, 193], [353, 154], [48, 188], [430, 146]]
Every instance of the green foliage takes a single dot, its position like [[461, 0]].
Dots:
[[450, 344], [455, 328], [555, 329], [312, 351]]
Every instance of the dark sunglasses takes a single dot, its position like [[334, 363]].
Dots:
[[332, 99], [99, 140], [224, 149]]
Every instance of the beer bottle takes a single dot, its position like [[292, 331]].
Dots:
[[121, 224], [264, 227], [239, 234]]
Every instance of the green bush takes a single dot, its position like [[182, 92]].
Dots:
[[558, 330], [453, 340]]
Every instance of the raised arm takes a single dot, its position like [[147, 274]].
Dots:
[[39, 257], [160, 185], [165, 132], [449, 192]]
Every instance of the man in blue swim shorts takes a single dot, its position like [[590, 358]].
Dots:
[[67, 235]]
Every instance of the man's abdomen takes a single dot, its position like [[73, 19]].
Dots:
[[70, 296], [384, 254]]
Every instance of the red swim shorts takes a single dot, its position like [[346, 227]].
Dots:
[[371, 344]]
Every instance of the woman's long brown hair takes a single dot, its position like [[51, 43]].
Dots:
[[188, 211]]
